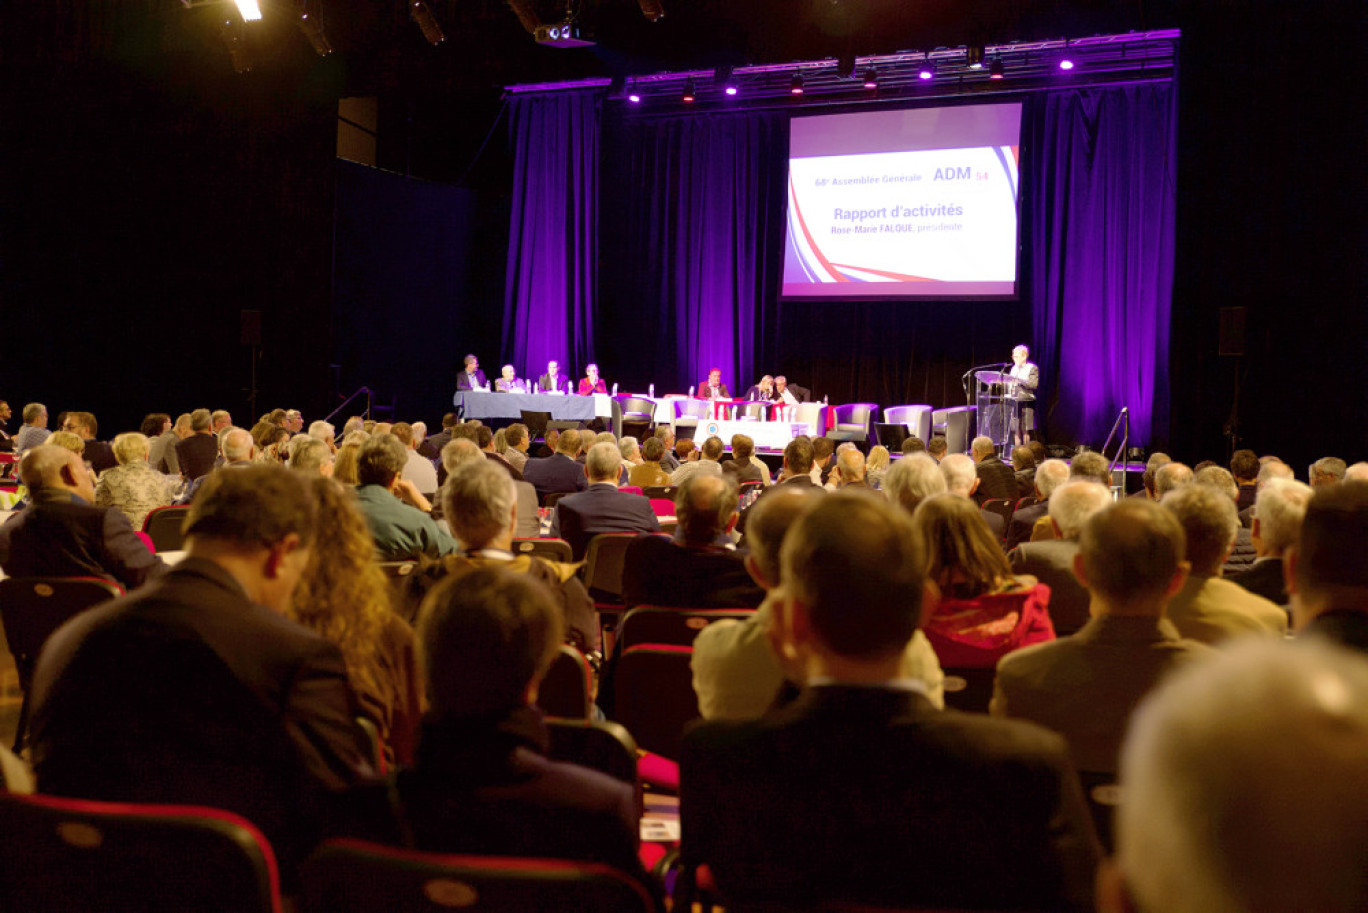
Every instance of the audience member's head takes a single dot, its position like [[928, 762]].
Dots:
[[1073, 503], [84, 425], [964, 558], [261, 518], [323, 431], [961, 478], [684, 449], [155, 424], [822, 449], [1327, 471], [1152, 466], [1171, 476], [853, 574], [913, 444], [850, 466], [200, 421], [798, 456], [878, 460], [653, 450], [569, 443], [742, 447], [1246, 788], [1022, 458], [1037, 450], [1210, 523], [182, 428], [1131, 556], [220, 419], [713, 448], [131, 447], [460, 451], [1091, 465], [35, 414], [67, 440], [1244, 466], [1328, 567], [1278, 512], [982, 447], [937, 447], [1356, 472], [1220, 479], [766, 525], [705, 509], [49, 467], [630, 448], [404, 432], [486, 639], [469, 432], [237, 446], [516, 436], [310, 456], [381, 460], [1049, 476], [603, 463], [911, 480], [355, 423], [484, 438], [480, 504]]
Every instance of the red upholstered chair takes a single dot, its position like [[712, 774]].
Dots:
[[663, 507], [354, 876], [61, 855], [600, 745], [567, 690], [163, 525], [633, 490], [663, 492], [657, 625], [549, 548], [31, 609], [654, 696]]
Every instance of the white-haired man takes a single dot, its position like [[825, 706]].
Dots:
[[1209, 608], [912, 479], [1025, 379], [601, 508], [1049, 475], [1279, 508], [325, 432], [1051, 561], [1246, 788]]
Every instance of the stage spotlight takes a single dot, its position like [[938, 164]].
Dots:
[[653, 10], [996, 70], [250, 10], [1065, 58], [421, 13], [796, 84], [927, 71], [723, 79], [973, 56], [688, 95], [634, 97], [871, 79], [310, 22]]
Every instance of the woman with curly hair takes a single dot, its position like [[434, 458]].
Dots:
[[345, 597], [984, 612], [876, 466]]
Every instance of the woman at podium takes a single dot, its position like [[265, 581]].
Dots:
[[1025, 378]]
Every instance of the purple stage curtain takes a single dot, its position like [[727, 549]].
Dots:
[[553, 232], [700, 202], [1099, 209]]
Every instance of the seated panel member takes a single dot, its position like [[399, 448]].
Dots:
[[553, 381], [591, 383], [789, 394], [713, 388], [471, 378], [763, 390], [860, 791], [510, 382]]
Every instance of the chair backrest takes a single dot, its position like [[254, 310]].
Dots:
[[405, 594], [1000, 506], [917, 419], [654, 696], [660, 625], [354, 876], [163, 525], [551, 497], [1027, 501], [753, 411], [33, 607], [969, 689], [535, 422], [857, 416], [550, 549], [661, 492], [632, 490], [600, 745], [954, 423], [61, 854], [691, 408], [637, 408], [564, 424], [890, 435], [603, 563], [1103, 795], [529, 522], [811, 414], [567, 689], [663, 507]]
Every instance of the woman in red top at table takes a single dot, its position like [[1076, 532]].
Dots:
[[592, 383]]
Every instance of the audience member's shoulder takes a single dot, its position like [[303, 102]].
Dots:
[[997, 739], [562, 783]]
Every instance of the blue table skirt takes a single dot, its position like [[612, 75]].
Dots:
[[510, 405]]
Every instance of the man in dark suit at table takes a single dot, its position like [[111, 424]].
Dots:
[[197, 689], [789, 394], [860, 791], [553, 381], [601, 508], [471, 378], [558, 472]]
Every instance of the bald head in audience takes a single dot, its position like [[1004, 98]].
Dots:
[[1246, 788], [48, 466], [1170, 476]]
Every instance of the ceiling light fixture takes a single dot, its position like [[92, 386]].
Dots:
[[871, 78], [996, 69], [688, 95], [796, 84], [310, 22]]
